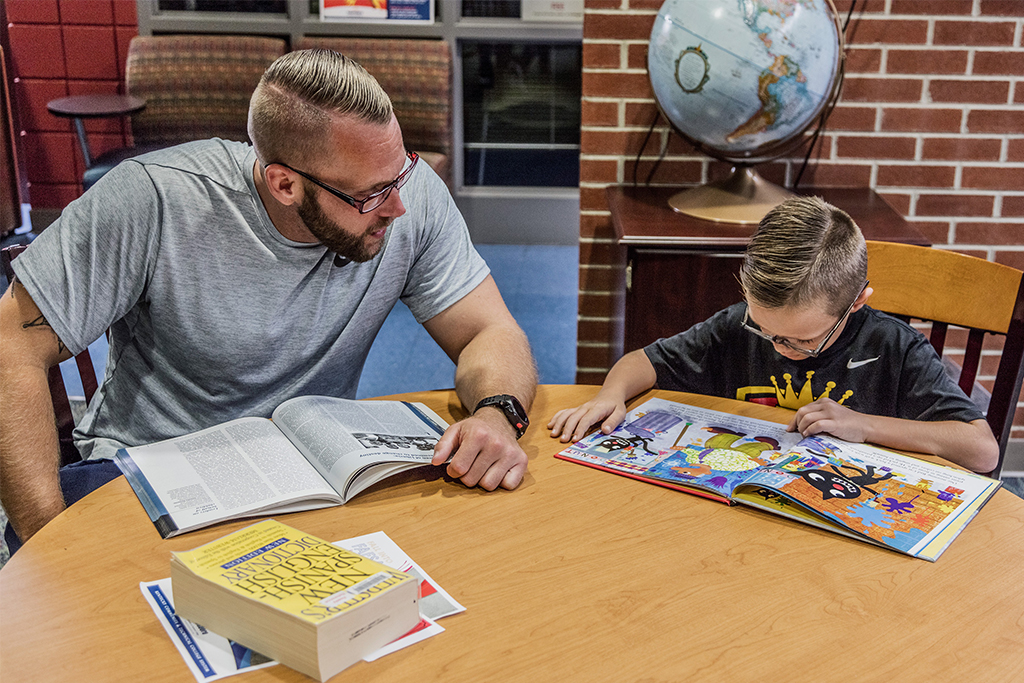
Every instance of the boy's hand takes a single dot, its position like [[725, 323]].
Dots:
[[573, 423], [825, 415]]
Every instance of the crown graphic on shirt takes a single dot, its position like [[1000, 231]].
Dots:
[[788, 397]]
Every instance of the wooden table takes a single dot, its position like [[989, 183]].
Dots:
[[79, 107], [679, 270], [579, 575]]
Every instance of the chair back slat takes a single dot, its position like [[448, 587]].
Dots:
[[972, 360], [946, 288], [937, 336]]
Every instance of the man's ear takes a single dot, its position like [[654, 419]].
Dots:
[[862, 299], [283, 184]]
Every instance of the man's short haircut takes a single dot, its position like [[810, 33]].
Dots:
[[299, 95], [805, 250]]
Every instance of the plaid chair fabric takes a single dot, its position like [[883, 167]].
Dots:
[[416, 74], [195, 86]]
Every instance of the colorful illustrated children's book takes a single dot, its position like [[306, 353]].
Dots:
[[862, 491]]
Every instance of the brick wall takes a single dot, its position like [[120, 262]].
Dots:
[[931, 116], [61, 48]]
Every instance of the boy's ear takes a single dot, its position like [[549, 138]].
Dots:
[[862, 299]]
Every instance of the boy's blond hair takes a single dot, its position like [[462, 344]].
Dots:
[[804, 251], [298, 96]]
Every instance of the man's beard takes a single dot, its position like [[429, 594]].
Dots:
[[333, 236]]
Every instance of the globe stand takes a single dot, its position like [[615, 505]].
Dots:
[[742, 197]]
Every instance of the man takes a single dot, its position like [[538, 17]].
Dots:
[[232, 278]]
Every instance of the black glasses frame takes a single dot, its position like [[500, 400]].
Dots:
[[366, 204], [783, 341]]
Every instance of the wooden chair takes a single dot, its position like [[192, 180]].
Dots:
[[195, 87], [58, 392], [416, 75], [950, 289]]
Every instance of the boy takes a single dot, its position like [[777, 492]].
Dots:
[[805, 339]]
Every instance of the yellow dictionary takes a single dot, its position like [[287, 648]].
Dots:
[[294, 597]]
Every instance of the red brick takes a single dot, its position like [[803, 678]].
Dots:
[[596, 226], [882, 90], [125, 14], [595, 356], [599, 279], [836, 175], [32, 11], [863, 6], [599, 171], [954, 205], [602, 55], [916, 176], [599, 113], [597, 253], [596, 305], [932, 7], [966, 149], [921, 120], [593, 199], [619, 143], [618, 26], [1014, 259], [998, 63], [636, 56], [86, 12], [1002, 8], [594, 378], [596, 330], [616, 85], [644, 4], [1013, 206], [989, 233], [50, 157], [642, 113], [863, 60], [54, 195], [1015, 150], [872, 147], [899, 202], [1018, 96], [679, 146], [32, 95], [937, 232], [992, 178], [668, 171], [985, 92], [845, 117], [36, 51], [926, 62], [995, 121], [973, 33], [864, 31]]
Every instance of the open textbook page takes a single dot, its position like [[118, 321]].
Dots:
[[316, 452]]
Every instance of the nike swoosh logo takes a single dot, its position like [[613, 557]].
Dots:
[[851, 364]]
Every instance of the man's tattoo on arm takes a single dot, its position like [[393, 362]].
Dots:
[[41, 322]]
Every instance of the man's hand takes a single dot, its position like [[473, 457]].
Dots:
[[573, 423], [483, 451], [825, 415]]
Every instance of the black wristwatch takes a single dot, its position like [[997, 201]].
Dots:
[[512, 408]]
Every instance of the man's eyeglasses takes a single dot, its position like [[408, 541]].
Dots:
[[751, 327], [366, 204]]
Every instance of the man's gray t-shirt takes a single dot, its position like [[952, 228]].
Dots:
[[213, 314]]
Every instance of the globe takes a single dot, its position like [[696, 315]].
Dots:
[[742, 80]]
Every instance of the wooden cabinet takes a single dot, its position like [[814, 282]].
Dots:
[[680, 270]]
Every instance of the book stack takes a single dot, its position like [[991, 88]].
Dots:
[[294, 597]]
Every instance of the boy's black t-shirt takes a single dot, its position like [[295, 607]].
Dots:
[[878, 366]]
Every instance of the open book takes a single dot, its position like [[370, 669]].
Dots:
[[865, 492], [316, 452]]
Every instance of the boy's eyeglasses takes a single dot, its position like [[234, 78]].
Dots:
[[366, 204], [751, 327]]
